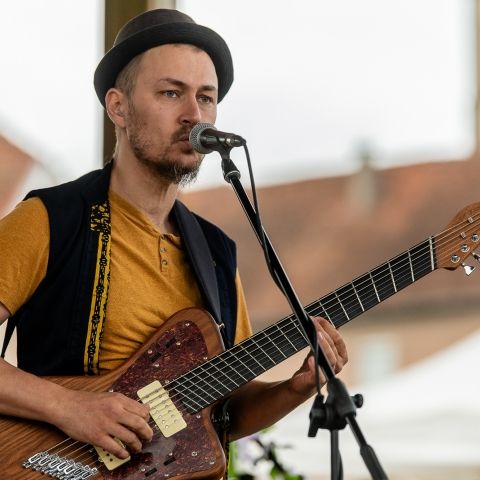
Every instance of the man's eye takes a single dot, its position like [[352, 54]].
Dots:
[[170, 93], [205, 99]]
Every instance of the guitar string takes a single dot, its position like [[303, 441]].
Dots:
[[213, 396], [423, 251], [390, 274], [387, 275], [409, 261]]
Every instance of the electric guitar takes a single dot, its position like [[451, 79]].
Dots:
[[183, 372]]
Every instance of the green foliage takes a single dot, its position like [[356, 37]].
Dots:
[[242, 463]]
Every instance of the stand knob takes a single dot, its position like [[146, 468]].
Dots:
[[358, 400], [476, 256]]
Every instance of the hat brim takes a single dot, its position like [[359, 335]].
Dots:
[[202, 37]]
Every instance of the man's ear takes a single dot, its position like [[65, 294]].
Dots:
[[115, 103]]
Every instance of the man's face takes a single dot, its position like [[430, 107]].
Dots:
[[176, 87]]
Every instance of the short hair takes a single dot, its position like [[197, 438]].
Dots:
[[125, 82], [127, 76]]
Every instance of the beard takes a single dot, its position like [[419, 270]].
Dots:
[[163, 164]]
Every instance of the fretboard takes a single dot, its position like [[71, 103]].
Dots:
[[221, 375]]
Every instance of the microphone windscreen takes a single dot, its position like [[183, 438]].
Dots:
[[195, 137]]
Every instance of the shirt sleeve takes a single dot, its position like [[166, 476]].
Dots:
[[244, 327], [24, 248]]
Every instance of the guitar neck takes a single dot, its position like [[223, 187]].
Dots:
[[218, 377], [372, 288]]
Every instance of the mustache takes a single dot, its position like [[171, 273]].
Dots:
[[183, 133]]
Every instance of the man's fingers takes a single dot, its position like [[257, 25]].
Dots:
[[140, 409], [112, 446], [332, 343], [139, 425], [127, 437], [326, 343], [101, 418]]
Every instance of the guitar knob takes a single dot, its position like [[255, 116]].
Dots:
[[476, 256], [468, 268]]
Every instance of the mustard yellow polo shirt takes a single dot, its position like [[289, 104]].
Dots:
[[151, 278]]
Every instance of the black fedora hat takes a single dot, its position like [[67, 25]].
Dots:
[[159, 27]]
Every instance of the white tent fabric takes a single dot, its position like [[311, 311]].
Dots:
[[426, 416]]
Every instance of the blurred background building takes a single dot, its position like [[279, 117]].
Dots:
[[363, 125]]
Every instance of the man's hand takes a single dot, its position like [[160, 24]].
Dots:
[[259, 404], [303, 381], [98, 418]]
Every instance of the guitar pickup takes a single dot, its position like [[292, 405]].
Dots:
[[163, 411], [111, 461]]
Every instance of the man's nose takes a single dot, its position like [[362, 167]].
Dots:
[[191, 113]]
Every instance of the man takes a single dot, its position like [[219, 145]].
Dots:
[[91, 269]]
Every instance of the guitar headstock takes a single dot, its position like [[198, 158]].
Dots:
[[459, 240]]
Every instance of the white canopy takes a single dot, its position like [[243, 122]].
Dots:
[[425, 418]]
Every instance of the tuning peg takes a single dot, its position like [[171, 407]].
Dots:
[[468, 268], [476, 256]]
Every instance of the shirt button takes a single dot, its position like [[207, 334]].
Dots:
[[163, 249], [164, 262]]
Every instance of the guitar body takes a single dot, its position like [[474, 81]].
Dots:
[[185, 341]]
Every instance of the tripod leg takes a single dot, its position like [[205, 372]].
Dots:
[[336, 467]]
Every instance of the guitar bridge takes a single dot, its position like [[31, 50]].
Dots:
[[163, 411]]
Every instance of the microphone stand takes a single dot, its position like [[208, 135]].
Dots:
[[339, 408]]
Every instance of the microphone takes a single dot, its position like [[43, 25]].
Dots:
[[205, 138]]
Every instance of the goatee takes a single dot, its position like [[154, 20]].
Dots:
[[168, 170], [164, 167]]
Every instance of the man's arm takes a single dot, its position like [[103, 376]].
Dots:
[[260, 404], [92, 418]]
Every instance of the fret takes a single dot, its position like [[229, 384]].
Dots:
[[274, 353], [366, 290], [214, 383], [334, 310], [432, 258], [375, 287], [291, 347], [243, 368], [220, 372], [200, 375], [393, 278], [322, 313], [226, 363], [411, 266], [263, 357], [350, 301], [383, 281], [358, 297], [279, 357], [197, 394], [193, 402], [422, 259], [341, 305], [260, 368], [300, 339], [225, 375], [402, 270]]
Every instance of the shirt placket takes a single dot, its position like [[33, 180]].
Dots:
[[163, 250]]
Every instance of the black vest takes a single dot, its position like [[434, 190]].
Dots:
[[70, 303]]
